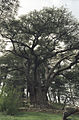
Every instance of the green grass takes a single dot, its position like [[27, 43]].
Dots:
[[35, 116]]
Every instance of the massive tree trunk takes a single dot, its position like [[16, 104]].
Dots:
[[38, 92], [38, 96]]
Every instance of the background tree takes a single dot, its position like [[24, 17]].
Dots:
[[12, 73], [72, 84], [8, 10], [58, 90]]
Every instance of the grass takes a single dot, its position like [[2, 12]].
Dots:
[[35, 116]]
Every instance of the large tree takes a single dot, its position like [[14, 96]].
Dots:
[[48, 40]]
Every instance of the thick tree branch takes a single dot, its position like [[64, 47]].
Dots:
[[35, 42], [76, 58], [53, 54], [16, 69], [52, 69]]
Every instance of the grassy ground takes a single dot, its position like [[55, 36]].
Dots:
[[35, 116]]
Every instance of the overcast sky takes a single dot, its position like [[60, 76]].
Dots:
[[30, 5]]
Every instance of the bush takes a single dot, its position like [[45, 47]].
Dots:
[[57, 106], [10, 101]]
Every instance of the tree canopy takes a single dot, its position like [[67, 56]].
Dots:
[[48, 40]]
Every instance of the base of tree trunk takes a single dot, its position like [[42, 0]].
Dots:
[[38, 97]]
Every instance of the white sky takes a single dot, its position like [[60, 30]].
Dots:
[[30, 5]]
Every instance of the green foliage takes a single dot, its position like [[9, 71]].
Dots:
[[9, 101], [8, 8]]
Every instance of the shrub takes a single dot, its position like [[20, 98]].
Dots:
[[10, 101]]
